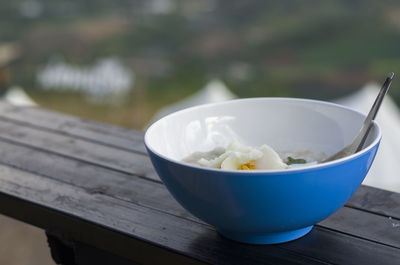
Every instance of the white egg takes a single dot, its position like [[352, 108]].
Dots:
[[270, 159], [239, 155]]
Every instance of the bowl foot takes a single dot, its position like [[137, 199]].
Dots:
[[270, 238]]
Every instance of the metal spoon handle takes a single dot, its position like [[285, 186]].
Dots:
[[362, 136], [358, 142]]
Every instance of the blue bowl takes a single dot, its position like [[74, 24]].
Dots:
[[261, 206]]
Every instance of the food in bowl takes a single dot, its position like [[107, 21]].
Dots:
[[238, 156], [262, 206]]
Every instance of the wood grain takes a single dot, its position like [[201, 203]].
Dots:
[[141, 192], [383, 202], [95, 179], [119, 227], [78, 127], [377, 201], [94, 184], [106, 156], [365, 225]]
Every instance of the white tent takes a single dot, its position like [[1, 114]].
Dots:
[[214, 91], [385, 170], [17, 96]]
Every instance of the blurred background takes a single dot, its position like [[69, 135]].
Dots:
[[122, 61]]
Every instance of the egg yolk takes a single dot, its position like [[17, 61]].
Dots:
[[248, 166]]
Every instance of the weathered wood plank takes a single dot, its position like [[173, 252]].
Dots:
[[105, 156], [377, 201], [196, 241], [65, 124], [78, 127], [52, 142], [383, 202], [365, 225], [343, 249], [121, 227], [114, 225], [94, 179]]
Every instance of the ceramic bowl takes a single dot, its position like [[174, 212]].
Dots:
[[261, 206]]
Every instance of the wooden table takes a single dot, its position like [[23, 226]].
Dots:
[[92, 188]]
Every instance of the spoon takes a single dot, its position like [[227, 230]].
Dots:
[[358, 142]]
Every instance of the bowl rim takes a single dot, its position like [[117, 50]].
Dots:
[[264, 171]]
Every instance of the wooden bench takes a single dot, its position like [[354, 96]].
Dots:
[[93, 190]]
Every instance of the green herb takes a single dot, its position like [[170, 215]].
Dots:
[[290, 160]]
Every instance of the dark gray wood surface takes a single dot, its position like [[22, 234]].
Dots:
[[93, 184]]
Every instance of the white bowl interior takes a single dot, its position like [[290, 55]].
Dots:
[[283, 123]]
